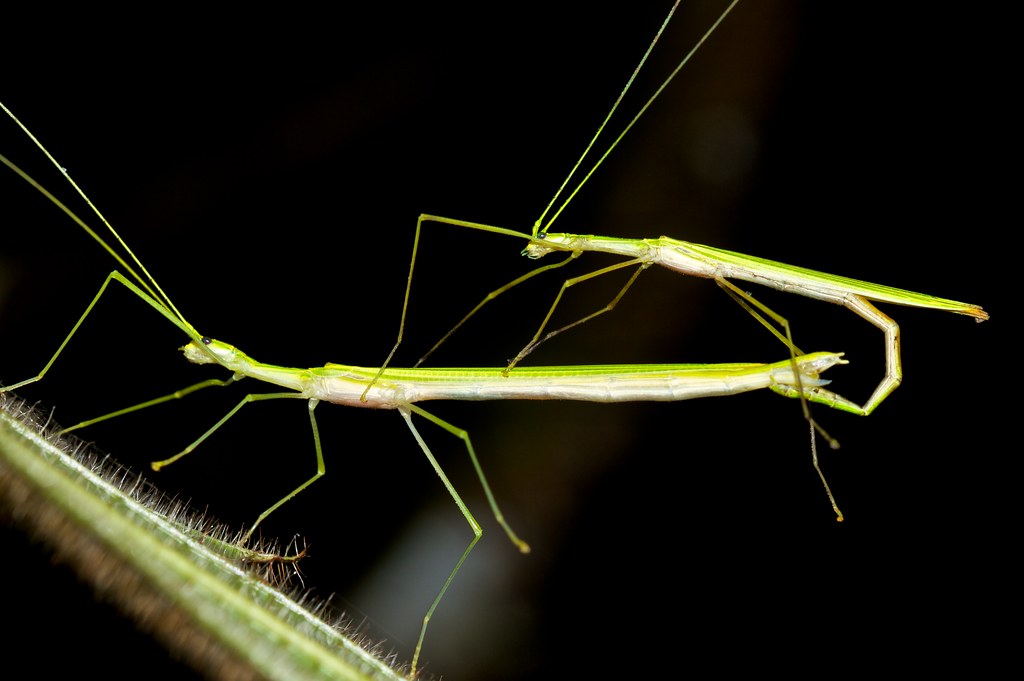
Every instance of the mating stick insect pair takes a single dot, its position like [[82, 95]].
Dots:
[[403, 389]]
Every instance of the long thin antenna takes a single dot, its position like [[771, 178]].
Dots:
[[537, 229]]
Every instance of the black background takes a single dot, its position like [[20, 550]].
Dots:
[[269, 171]]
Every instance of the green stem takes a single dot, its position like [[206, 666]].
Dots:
[[183, 581]]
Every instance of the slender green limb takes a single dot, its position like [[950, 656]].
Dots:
[[488, 298], [748, 303], [406, 411], [408, 285], [249, 399], [821, 474], [320, 469], [536, 341], [176, 395], [464, 436], [119, 278]]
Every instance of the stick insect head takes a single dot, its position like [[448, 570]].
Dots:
[[210, 351], [544, 243]]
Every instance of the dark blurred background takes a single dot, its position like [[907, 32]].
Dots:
[[269, 171]]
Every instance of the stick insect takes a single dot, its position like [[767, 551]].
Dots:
[[722, 266]]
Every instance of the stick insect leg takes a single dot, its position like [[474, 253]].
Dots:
[[176, 395], [490, 296], [113, 276], [893, 364], [156, 305], [406, 411], [641, 263], [748, 303], [464, 436], [824, 482], [157, 465], [863, 309], [320, 468], [819, 395]]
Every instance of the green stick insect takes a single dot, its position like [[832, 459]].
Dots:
[[692, 259]]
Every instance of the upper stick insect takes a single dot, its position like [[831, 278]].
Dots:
[[693, 259], [401, 389]]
